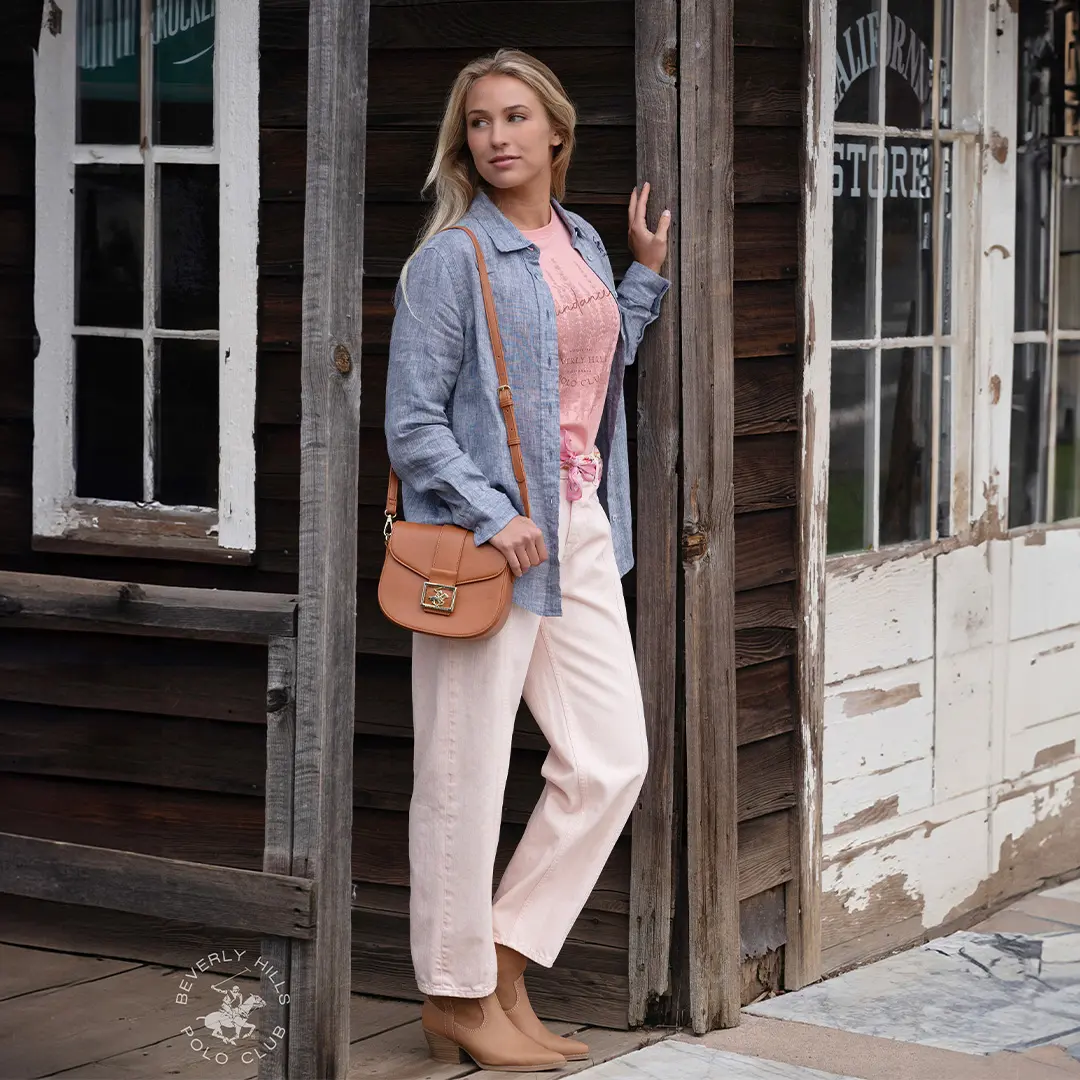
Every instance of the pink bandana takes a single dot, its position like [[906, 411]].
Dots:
[[579, 467]]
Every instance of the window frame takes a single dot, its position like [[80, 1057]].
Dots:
[[62, 520], [982, 133]]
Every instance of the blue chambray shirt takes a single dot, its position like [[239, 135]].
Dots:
[[444, 430]]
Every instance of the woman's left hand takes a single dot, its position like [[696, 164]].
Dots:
[[648, 248]]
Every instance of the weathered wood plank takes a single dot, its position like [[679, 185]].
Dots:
[[707, 187], [766, 396], [768, 87], [767, 165], [193, 678], [24, 971], [337, 80], [602, 89], [228, 830], [765, 472], [761, 644], [764, 853], [651, 880], [765, 700], [467, 24], [766, 777], [803, 955], [66, 603], [766, 323], [149, 885], [771, 606], [132, 1009], [766, 241], [764, 548], [277, 852], [769, 24]]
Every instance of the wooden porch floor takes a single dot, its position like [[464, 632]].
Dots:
[[70, 1015]]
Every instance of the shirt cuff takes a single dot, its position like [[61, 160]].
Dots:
[[495, 518], [644, 287]]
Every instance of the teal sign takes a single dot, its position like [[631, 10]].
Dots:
[[108, 49]]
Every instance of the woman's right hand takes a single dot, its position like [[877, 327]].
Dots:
[[522, 544]]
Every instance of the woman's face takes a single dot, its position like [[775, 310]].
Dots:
[[510, 134]]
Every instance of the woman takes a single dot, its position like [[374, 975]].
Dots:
[[504, 149]]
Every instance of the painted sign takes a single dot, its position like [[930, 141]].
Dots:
[[108, 49]]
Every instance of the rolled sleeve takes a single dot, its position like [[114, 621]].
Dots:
[[640, 293]]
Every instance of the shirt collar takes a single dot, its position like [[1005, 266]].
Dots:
[[504, 234]]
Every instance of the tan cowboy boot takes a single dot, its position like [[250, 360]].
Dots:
[[514, 999], [460, 1028]]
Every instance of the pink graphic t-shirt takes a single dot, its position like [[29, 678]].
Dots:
[[587, 323]]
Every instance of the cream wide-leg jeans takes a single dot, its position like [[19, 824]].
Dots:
[[578, 677]]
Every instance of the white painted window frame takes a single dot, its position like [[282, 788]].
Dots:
[[983, 188], [60, 519]]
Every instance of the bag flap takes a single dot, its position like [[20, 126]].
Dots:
[[413, 545]]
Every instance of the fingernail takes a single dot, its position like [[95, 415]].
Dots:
[[666, 213]]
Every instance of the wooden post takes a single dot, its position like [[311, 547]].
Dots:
[[652, 865], [706, 127], [802, 955], [277, 853], [329, 452]]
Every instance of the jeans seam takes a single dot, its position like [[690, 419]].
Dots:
[[582, 789], [451, 801]]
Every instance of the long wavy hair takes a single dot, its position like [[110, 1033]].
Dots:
[[453, 175]]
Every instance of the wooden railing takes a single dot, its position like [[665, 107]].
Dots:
[[278, 903]]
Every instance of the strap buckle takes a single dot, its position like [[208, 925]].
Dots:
[[438, 598], [388, 528]]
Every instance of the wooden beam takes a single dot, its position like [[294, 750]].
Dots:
[[277, 853], [802, 960], [329, 451], [651, 876], [53, 602], [706, 128], [219, 896]]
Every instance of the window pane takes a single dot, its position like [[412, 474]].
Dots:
[[907, 272], [946, 283], [109, 418], [187, 423], [184, 72], [109, 245], [908, 81], [945, 447], [945, 66], [1067, 461], [1069, 239], [906, 450], [850, 447], [858, 44], [107, 92], [189, 247], [1027, 449], [854, 238], [1035, 124]]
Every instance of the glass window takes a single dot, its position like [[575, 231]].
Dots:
[[890, 475], [1046, 342], [147, 250]]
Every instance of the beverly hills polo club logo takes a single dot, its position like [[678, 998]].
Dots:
[[227, 1025]]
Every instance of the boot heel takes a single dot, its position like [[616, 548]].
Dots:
[[443, 1050]]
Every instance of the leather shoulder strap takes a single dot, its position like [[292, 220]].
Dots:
[[506, 399]]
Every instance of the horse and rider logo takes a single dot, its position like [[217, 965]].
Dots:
[[231, 1024], [233, 1014]]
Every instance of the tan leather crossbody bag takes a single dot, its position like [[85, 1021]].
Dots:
[[435, 580]]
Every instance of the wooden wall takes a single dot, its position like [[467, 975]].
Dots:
[[159, 746], [768, 138]]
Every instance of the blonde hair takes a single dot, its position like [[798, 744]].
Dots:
[[453, 174]]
